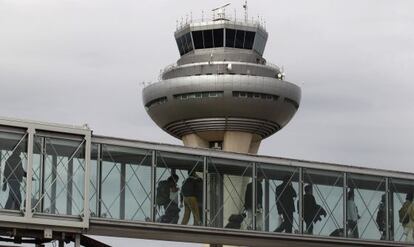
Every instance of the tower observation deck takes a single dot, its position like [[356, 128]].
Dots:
[[222, 90]]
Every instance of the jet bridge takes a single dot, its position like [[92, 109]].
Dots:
[[62, 183]]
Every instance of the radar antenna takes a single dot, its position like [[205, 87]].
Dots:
[[221, 13]]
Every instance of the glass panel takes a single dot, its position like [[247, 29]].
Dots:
[[228, 182], [323, 203], [13, 160], [230, 36], [126, 183], [401, 196], [363, 202], [60, 174], [189, 42], [184, 44], [179, 193], [198, 39], [208, 38], [239, 38], [280, 193], [248, 40], [180, 46], [218, 37]]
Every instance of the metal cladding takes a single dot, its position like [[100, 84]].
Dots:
[[221, 82]]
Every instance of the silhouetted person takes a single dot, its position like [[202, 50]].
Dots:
[[406, 215], [309, 209], [352, 215], [167, 197], [248, 200], [285, 203], [13, 176], [312, 212], [381, 217], [192, 193]]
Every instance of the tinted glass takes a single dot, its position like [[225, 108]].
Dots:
[[230, 35], [198, 39], [218, 37], [184, 44], [239, 38], [189, 42], [180, 47], [208, 38], [248, 40]]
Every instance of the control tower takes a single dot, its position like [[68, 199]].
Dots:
[[222, 93]]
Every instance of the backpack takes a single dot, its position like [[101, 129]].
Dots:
[[403, 213], [163, 193], [188, 187]]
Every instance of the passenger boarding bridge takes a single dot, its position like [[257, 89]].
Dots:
[[78, 183]]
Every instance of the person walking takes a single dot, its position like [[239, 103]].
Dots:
[[191, 195], [12, 177], [381, 217], [248, 200], [285, 204], [352, 215], [406, 215]]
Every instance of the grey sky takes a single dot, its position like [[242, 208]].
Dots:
[[83, 61]]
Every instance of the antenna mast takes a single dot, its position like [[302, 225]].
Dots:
[[246, 14]]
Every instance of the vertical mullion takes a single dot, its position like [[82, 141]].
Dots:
[[86, 178], [344, 204], [153, 184], [300, 200], [99, 181], [29, 171], [122, 191], [387, 205], [205, 171], [54, 185], [266, 204], [42, 173], [254, 196], [69, 191]]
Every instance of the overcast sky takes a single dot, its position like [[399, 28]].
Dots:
[[83, 61]]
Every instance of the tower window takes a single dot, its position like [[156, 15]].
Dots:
[[248, 40], [255, 95], [230, 35], [198, 39], [208, 38], [239, 38], [218, 37], [193, 95]]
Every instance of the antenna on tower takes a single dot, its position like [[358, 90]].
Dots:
[[246, 14], [221, 13]]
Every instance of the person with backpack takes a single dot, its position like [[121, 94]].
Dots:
[[167, 197], [381, 217], [406, 217], [285, 202], [192, 194], [12, 177], [312, 212]]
